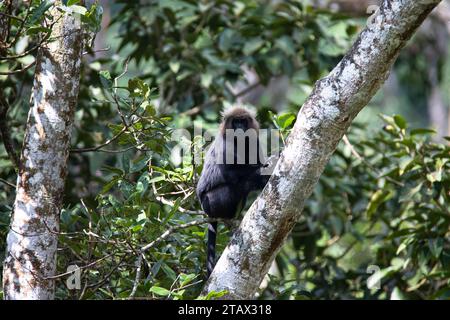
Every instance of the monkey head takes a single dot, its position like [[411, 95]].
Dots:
[[238, 118]]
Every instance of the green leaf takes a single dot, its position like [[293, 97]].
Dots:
[[174, 66], [71, 2], [387, 119], [436, 246], [126, 163], [206, 79], [157, 179], [422, 132], [37, 29], [105, 79], [139, 88], [253, 45], [109, 185], [159, 291], [187, 278], [405, 243], [227, 39], [169, 272], [285, 120], [219, 63], [40, 10], [139, 164], [213, 294], [435, 176], [404, 163], [379, 197], [286, 45], [113, 169], [93, 17], [409, 193], [400, 121]]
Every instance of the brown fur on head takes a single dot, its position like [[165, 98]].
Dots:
[[238, 113]]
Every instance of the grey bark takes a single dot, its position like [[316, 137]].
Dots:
[[321, 123], [32, 240]]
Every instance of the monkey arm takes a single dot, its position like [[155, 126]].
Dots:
[[259, 179], [256, 181], [211, 176]]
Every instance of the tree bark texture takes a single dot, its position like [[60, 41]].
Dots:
[[32, 240]]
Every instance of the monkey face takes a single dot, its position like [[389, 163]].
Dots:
[[237, 119], [240, 123]]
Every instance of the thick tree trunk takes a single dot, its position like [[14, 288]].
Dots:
[[32, 239], [321, 123]]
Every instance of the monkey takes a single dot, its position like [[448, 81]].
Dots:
[[231, 170]]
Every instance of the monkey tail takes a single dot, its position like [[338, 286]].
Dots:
[[211, 247]]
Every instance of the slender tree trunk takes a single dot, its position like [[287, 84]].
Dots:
[[32, 239], [436, 39], [321, 123]]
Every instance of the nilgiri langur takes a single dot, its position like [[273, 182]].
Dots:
[[232, 169]]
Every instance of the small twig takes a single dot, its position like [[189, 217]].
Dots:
[[160, 198], [98, 50], [116, 100], [81, 268], [9, 184], [105, 278], [246, 90], [172, 230], [138, 276], [121, 150], [97, 148], [8, 73], [188, 285], [20, 55], [23, 54], [12, 16], [182, 210]]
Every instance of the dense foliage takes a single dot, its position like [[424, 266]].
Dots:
[[381, 205], [131, 220]]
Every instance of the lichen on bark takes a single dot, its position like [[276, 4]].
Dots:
[[32, 240]]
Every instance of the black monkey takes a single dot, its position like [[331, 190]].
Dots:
[[232, 169]]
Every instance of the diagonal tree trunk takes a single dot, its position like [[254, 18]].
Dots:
[[321, 123], [32, 239]]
